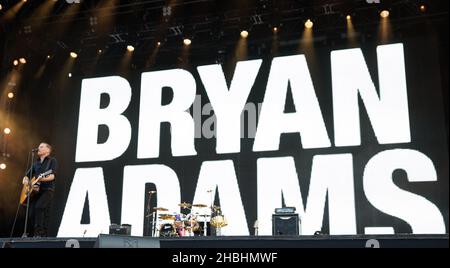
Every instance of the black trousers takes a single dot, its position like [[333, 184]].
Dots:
[[40, 211]]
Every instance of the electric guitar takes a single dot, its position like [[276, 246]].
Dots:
[[28, 188]]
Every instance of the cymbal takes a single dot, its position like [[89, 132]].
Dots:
[[199, 205], [185, 205], [166, 217], [161, 209], [219, 224]]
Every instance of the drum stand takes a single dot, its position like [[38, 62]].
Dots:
[[211, 210], [205, 227], [154, 224], [149, 212]]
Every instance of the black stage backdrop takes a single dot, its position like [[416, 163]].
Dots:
[[426, 60]]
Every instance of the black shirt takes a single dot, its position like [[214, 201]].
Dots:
[[49, 163]]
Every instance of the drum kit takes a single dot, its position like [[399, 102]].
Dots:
[[190, 224]]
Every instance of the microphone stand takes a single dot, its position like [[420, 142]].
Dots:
[[148, 214], [211, 214], [28, 194]]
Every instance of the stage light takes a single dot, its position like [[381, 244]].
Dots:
[[99, 51], [423, 8], [24, 0], [384, 14], [348, 17], [69, 75], [130, 48], [187, 41], [73, 55], [309, 24], [7, 130], [2, 166], [22, 60], [275, 29], [244, 34], [15, 62], [48, 56], [10, 95], [158, 44], [1, 7]]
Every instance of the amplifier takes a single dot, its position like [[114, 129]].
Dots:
[[124, 229], [285, 224], [288, 210]]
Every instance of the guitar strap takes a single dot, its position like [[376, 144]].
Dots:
[[48, 164], [46, 168]]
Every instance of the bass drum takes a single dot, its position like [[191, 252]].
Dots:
[[167, 230]]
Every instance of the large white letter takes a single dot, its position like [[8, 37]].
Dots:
[[307, 120], [90, 182], [133, 196], [387, 112], [152, 113], [228, 104], [91, 116], [423, 216], [221, 175], [331, 174]]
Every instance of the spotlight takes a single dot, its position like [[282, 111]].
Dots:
[[309, 24], [99, 51], [15, 62], [244, 34], [423, 8], [187, 41], [275, 29], [1, 7], [2, 166], [348, 17], [69, 75], [48, 56], [10, 95], [22, 60], [73, 55], [130, 48], [384, 13], [158, 44], [7, 130]]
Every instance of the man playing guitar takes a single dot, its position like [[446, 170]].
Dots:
[[41, 201]]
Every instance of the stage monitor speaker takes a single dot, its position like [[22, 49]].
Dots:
[[121, 241], [285, 224]]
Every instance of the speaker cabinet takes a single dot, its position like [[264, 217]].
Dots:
[[285, 224], [124, 229], [125, 241]]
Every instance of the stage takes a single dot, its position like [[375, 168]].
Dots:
[[252, 125], [235, 242]]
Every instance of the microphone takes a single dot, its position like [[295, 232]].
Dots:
[[35, 150]]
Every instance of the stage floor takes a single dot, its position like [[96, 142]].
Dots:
[[318, 241]]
